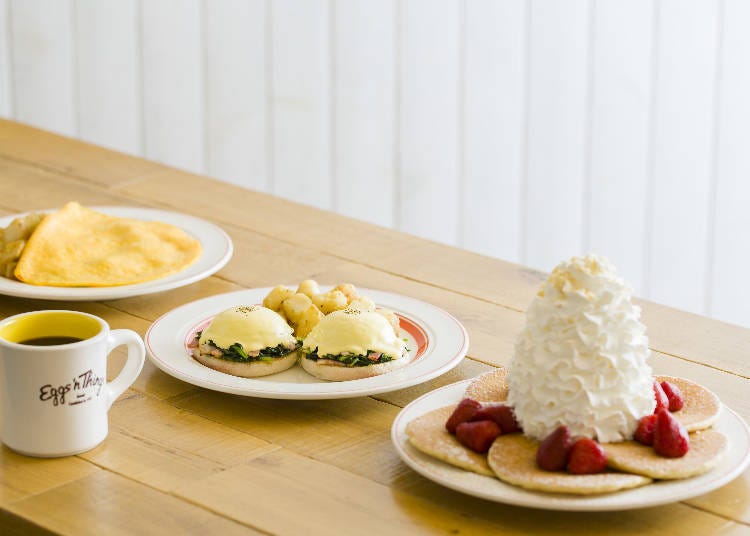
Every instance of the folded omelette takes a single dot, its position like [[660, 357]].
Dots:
[[79, 247]]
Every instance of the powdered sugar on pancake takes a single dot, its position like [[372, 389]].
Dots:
[[706, 450], [428, 434], [513, 459], [702, 407], [491, 386]]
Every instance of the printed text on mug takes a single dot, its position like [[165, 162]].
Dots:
[[80, 390]]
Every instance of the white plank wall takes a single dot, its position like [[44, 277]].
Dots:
[[556, 132], [682, 152], [301, 101], [107, 75], [617, 179], [493, 88], [236, 92], [43, 68], [6, 95], [429, 69], [364, 126], [530, 130], [174, 103], [728, 295]]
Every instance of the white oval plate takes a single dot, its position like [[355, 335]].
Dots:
[[436, 342], [734, 463], [217, 250]]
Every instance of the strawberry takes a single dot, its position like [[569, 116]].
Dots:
[[502, 415], [670, 437], [586, 457], [661, 397], [554, 450], [644, 434], [478, 435], [463, 413], [674, 395]]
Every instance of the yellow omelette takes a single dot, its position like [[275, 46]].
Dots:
[[79, 247]]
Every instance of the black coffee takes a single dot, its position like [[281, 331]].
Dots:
[[50, 341]]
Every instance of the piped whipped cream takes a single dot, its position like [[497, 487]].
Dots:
[[580, 361]]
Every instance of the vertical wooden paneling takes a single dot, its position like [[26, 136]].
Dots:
[[109, 108], [301, 84], [618, 172], [494, 57], [236, 92], [429, 198], [173, 97], [556, 130], [43, 69], [6, 97], [364, 112], [682, 152], [729, 295], [531, 130]]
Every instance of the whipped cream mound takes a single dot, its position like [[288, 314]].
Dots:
[[580, 361]]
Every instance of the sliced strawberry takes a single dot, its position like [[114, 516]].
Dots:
[[465, 410], [661, 397], [554, 450], [502, 415], [586, 457], [644, 434], [478, 435], [670, 437], [674, 395]]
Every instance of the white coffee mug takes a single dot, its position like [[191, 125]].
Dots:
[[56, 395]]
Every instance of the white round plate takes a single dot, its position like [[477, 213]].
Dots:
[[435, 339], [217, 250], [735, 461]]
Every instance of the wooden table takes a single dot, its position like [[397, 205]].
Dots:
[[182, 459]]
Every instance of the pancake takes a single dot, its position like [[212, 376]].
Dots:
[[512, 457], [428, 434], [491, 386], [702, 407], [79, 247], [706, 450]]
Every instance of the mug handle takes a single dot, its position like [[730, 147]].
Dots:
[[133, 366]]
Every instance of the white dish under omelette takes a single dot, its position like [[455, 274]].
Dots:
[[217, 249]]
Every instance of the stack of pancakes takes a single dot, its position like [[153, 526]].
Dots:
[[512, 457]]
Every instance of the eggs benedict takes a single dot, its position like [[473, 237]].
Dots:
[[247, 341], [351, 344]]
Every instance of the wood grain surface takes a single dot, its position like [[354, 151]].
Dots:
[[183, 459]]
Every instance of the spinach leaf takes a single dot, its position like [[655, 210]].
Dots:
[[350, 360], [236, 352]]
